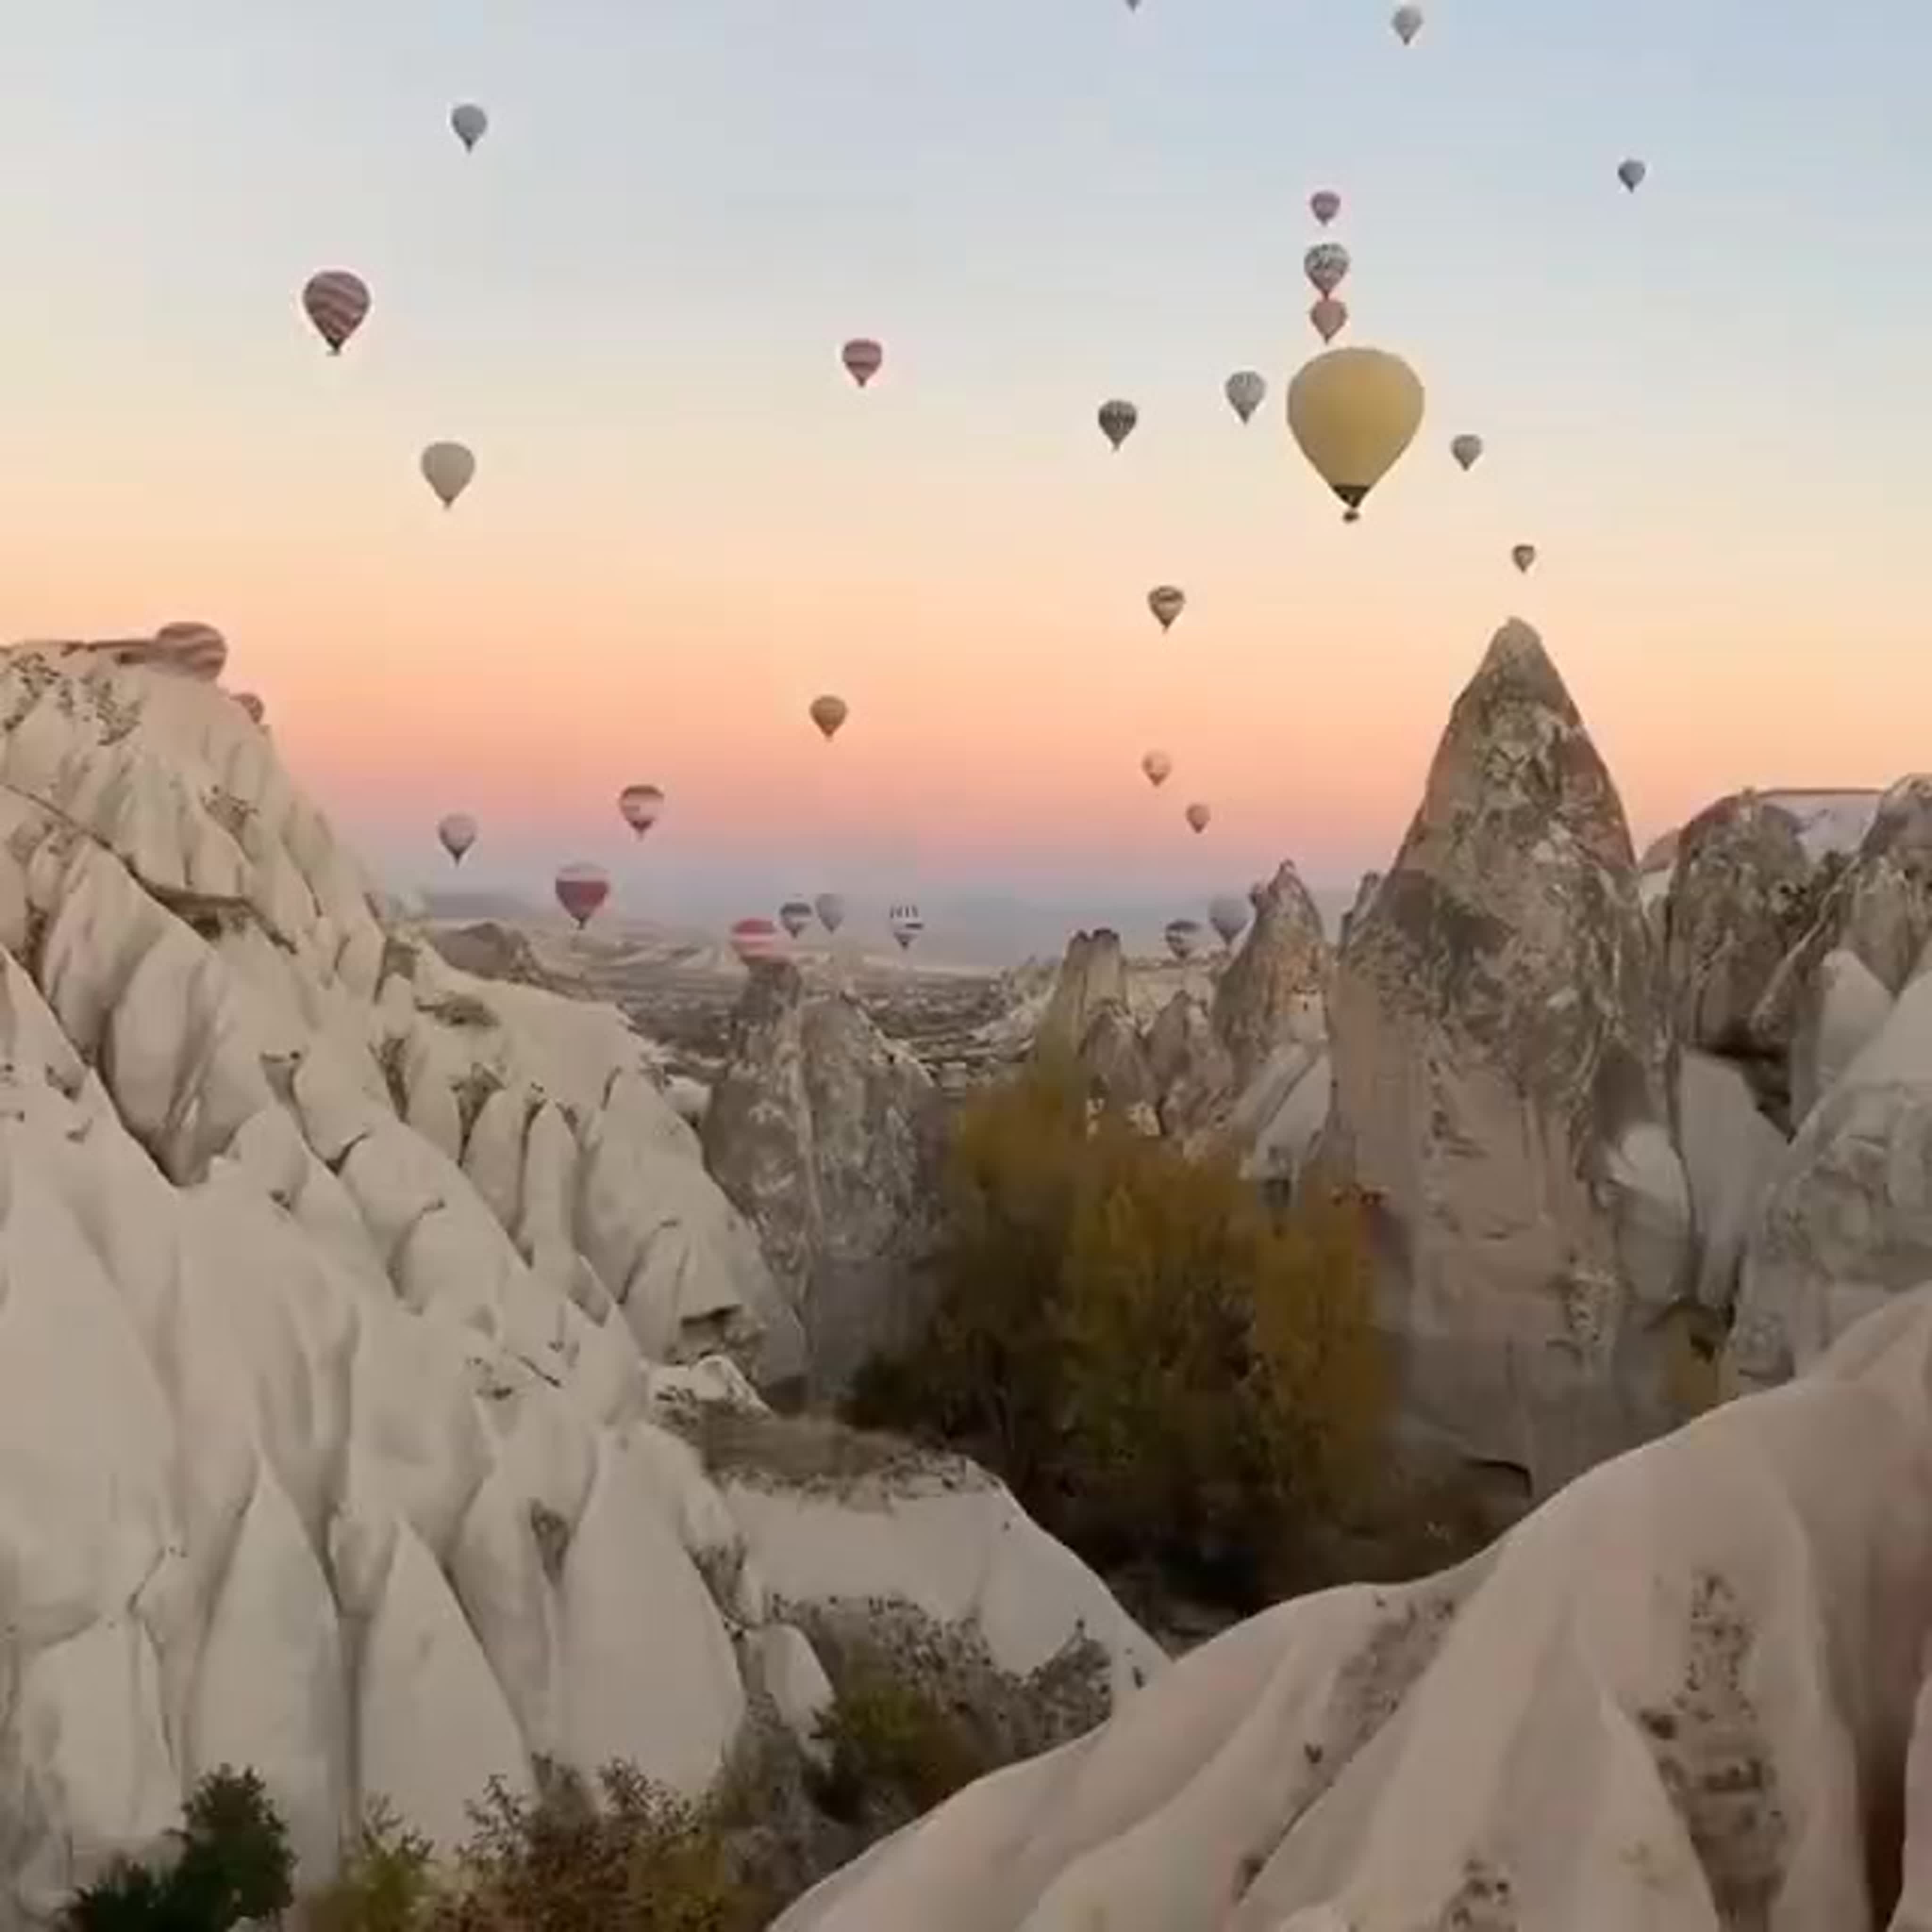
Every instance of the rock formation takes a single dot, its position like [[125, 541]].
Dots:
[[1094, 975], [1191, 1071], [1499, 1090], [1687, 1695], [336, 1437], [827, 1137], [1271, 991]]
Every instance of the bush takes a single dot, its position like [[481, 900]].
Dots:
[[234, 1863], [387, 1882], [895, 1752], [1162, 1367]]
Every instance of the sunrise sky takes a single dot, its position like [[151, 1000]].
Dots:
[[1705, 403]]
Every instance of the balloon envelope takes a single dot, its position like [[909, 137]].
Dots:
[[795, 915], [828, 713], [1353, 412], [1167, 602], [1184, 937], [1229, 915], [1325, 204], [1466, 449], [1246, 391], [1523, 556], [639, 805], [1157, 765], [1327, 265], [1197, 816], [863, 359], [448, 468], [581, 889], [470, 123], [906, 923], [1329, 315], [830, 907], [1117, 420], [1407, 22], [253, 705], [456, 833], [336, 301], [1631, 173], [192, 648], [755, 939]]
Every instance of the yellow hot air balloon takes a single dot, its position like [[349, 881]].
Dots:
[[1354, 412]]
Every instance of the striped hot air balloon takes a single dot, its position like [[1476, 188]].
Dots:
[[194, 649], [906, 923], [639, 805], [581, 889], [337, 300], [795, 915], [256, 710], [755, 940], [1184, 938], [863, 359]]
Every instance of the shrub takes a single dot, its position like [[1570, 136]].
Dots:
[[387, 1882], [234, 1863], [895, 1751], [1161, 1365]]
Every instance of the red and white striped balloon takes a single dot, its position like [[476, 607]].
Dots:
[[640, 805], [195, 650], [753, 940], [336, 301], [581, 890]]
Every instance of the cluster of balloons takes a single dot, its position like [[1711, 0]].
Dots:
[[1353, 413]]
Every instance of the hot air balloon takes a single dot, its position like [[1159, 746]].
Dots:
[[1184, 938], [906, 924], [1466, 449], [1407, 22], [448, 468], [756, 939], [470, 124], [1354, 412], [1325, 204], [830, 907], [795, 915], [581, 889], [639, 805], [863, 359], [1117, 420], [1631, 173], [193, 649], [828, 713], [1167, 603], [1523, 556], [253, 705], [1246, 391], [1197, 816], [337, 303], [1157, 765], [456, 833], [1329, 315], [1229, 915], [1326, 264]]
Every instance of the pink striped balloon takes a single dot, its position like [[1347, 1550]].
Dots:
[[581, 890], [863, 359], [253, 705], [336, 301]]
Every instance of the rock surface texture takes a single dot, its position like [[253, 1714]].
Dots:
[[1271, 991], [827, 1136], [1499, 1090], [343, 1306], [1686, 1695]]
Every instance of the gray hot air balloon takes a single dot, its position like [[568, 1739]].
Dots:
[[1229, 915], [448, 468], [1407, 22], [1325, 204], [795, 915], [830, 907], [1117, 419], [1631, 173], [1246, 391], [1466, 449], [470, 124], [456, 833], [1184, 938], [1327, 265], [906, 925]]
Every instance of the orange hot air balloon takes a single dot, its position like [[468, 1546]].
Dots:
[[829, 713]]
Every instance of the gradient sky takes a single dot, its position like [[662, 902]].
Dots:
[[1706, 404]]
